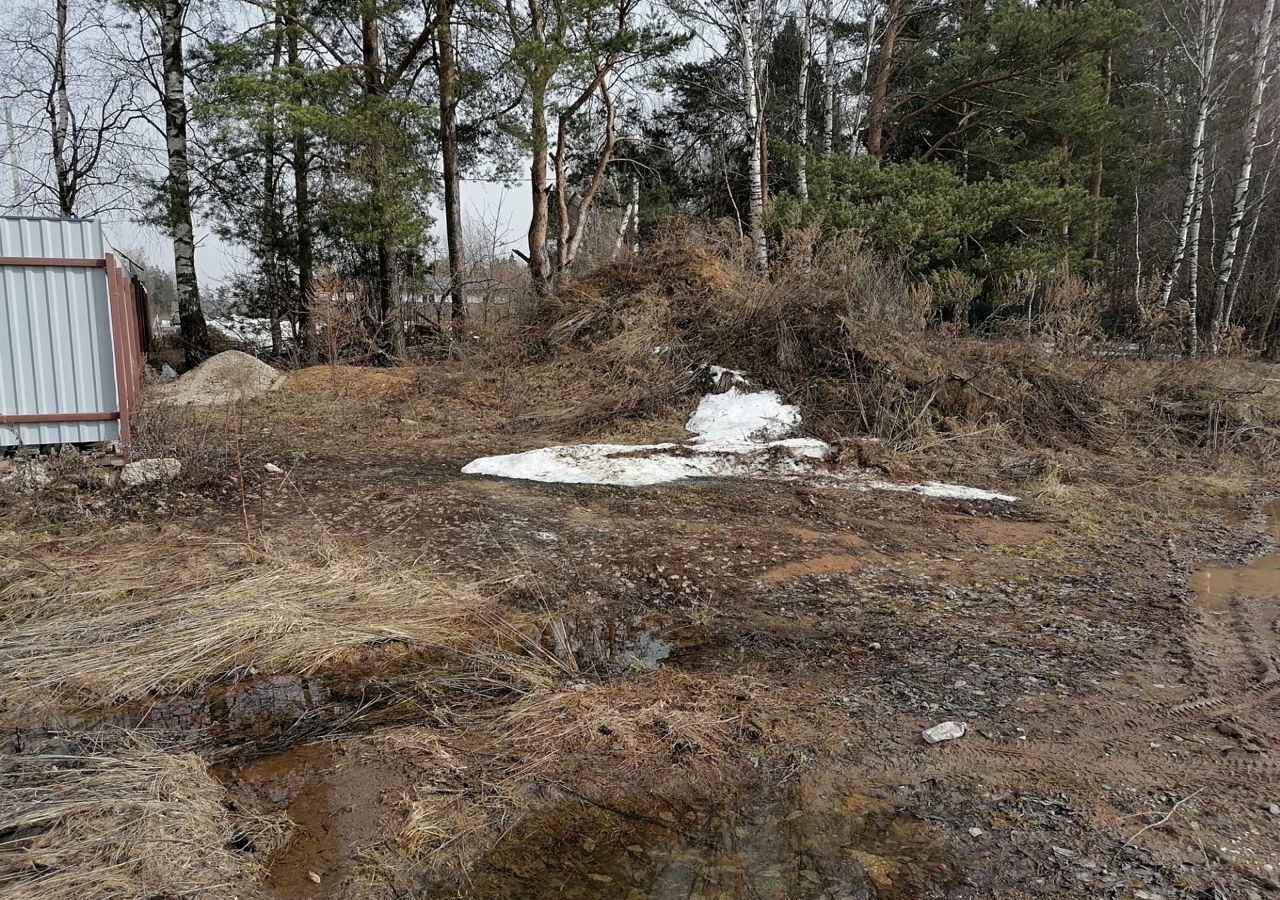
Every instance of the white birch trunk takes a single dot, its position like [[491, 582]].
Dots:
[[1193, 268], [1210, 22], [747, 39], [829, 79], [1259, 79], [61, 114], [873, 23], [802, 103]]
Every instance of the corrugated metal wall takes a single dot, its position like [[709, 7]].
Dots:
[[56, 351]]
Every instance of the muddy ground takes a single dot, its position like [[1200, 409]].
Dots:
[[742, 673]]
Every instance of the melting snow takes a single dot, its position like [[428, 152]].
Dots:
[[735, 433]]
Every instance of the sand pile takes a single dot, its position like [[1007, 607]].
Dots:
[[224, 378]]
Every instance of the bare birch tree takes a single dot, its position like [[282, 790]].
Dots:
[[1259, 77], [802, 100], [71, 144], [828, 77], [1200, 46]]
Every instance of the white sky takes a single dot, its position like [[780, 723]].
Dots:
[[501, 210]]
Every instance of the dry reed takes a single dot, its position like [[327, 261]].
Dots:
[[123, 820], [116, 618]]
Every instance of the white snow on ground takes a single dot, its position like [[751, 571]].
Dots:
[[938, 489], [249, 330], [739, 416], [735, 433]]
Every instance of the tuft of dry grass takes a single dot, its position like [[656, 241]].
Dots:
[[118, 617], [121, 819], [664, 732]]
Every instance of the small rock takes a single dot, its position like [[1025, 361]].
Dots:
[[578, 686], [546, 537], [1065, 852], [944, 731], [874, 645], [28, 476], [976, 832], [314, 876], [167, 372], [1274, 809], [1147, 895], [273, 469], [149, 471]]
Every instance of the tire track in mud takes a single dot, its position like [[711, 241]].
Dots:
[[1115, 732]]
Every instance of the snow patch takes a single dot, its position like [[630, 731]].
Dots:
[[737, 416], [735, 433], [945, 491]]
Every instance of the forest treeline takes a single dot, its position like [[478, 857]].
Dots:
[[1003, 152]]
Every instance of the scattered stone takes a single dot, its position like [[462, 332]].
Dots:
[[27, 476], [578, 686], [1147, 895], [944, 731], [1274, 809], [1065, 852], [874, 645], [273, 469], [167, 372], [546, 537], [976, 832], [314, 876], [150, 471]]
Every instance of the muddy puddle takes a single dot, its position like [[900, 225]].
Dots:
[[794, 843], [606, 646], [1215, 585], [258, 715]]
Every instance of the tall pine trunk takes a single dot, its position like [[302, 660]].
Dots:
[[878, 108], [195, 334], [390, 328], [446, 55], [540, 217]]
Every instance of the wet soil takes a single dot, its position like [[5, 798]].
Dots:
[[1116, 664]]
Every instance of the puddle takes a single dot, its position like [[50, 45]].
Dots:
[[264, 714], [333, 803], [1215, 585], [802, 844], [608, 646]]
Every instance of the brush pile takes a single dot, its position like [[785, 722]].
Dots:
[[864, 353]]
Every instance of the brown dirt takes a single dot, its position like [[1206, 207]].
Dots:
[[746, 670]]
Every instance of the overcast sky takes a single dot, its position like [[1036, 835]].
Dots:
[[501, 210]]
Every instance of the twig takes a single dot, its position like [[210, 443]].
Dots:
[[1165, 818]]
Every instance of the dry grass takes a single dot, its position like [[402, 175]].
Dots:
[[122, 820], [118, 617], [665, 732]]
